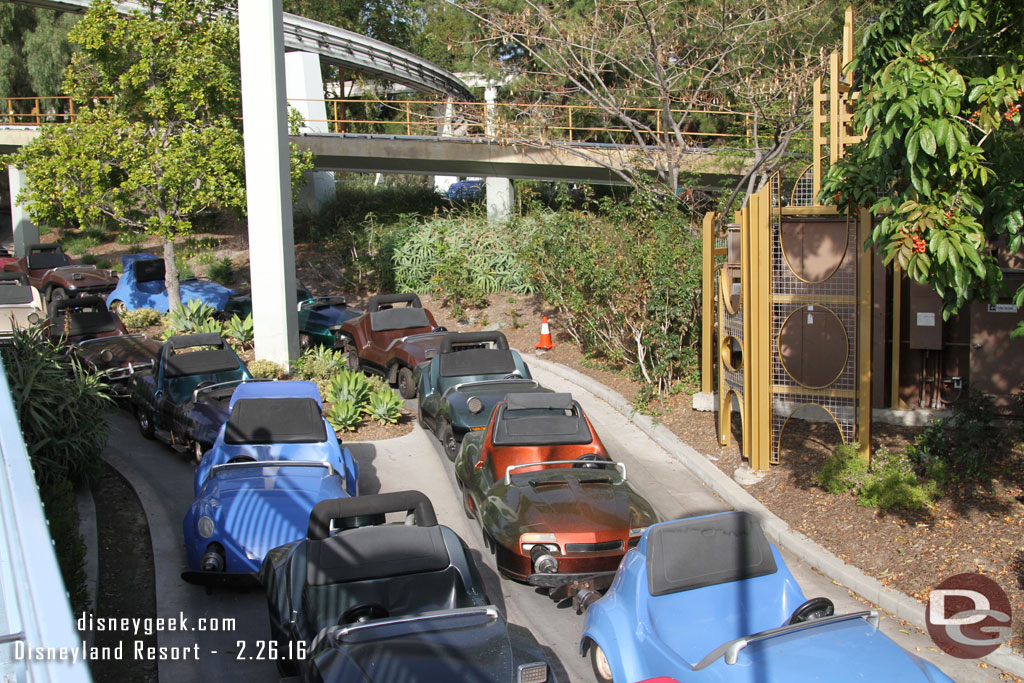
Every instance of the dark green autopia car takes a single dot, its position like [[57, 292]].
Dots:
[[320, 317], [459, 387]]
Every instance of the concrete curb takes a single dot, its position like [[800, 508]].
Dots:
[[87, 529], [902, 606]]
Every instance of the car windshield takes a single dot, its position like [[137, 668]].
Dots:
[[586, 473]]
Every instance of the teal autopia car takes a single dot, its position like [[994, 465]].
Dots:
[[459, 387]]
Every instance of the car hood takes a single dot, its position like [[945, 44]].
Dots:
[[846, 651], [455, 649], [260, 513], [489, 393], [83, 276], [417, 345], [125, 349], [206, 290], [565, 504]]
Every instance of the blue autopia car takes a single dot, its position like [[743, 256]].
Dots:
[[142, 286], [709, 599], [466, 190], [277, 421], [244, 509]]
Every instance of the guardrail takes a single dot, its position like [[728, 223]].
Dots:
[[34, 608], [508, 121]]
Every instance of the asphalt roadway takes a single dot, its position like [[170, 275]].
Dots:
[[163, 480]]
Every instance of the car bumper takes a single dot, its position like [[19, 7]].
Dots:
[[233, 579]]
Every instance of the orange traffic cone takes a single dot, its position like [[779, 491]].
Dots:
[[545, 336]]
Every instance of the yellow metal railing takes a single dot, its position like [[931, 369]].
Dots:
[[507, 120]]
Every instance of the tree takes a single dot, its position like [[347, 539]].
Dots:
[[157, 142], [653, 68], [941, 89], [34, 51]]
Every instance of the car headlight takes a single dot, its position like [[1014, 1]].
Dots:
[[33, 317], [637, 532], [474, 405], [206, 527], [534, 672]]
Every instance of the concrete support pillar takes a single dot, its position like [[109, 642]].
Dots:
[[443, 182], [25, 232], [499, 190], [305, 86], [268, 180]]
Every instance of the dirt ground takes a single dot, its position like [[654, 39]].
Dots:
[[969, 531]]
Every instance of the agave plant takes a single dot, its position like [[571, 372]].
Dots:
[[240, 331], [350, 386], [344, 416], [194, 317], [385, 406]]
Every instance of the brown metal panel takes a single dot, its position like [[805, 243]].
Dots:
[[925, 317], [814, 346], [997, 362], [815, 250]]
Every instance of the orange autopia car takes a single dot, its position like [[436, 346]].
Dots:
[[556, 511]]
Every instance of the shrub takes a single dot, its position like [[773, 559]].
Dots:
[[962, 445], [462, 258], [344, 416], [60, 408], [844, 470], [320, 365], [141, 318], [385, 406], [350, 386], [80, 244], [240, 331], [129, 238], [61, 510], [626, 282], [222, 271], [892, 484], [265, 369], [193, 317]]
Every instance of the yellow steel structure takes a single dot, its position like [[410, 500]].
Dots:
[[765, 394]]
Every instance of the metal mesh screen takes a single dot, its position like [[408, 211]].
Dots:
[[837, 294], [803, 189]]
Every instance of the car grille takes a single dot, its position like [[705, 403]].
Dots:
[[604, 547]]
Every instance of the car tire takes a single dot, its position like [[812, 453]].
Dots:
[[599, 662], [57, 294], [118, 307], [305, 342], [197, 451], [406, 385], [448, 441], [351, 358], [145, 420]]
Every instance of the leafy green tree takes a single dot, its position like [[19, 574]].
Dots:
[[157, 143], [942, 84]]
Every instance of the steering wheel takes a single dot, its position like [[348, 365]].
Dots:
[[815, 608], [513, 375], [368, 611], [241, 458], [588, 461], [205, 383]]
